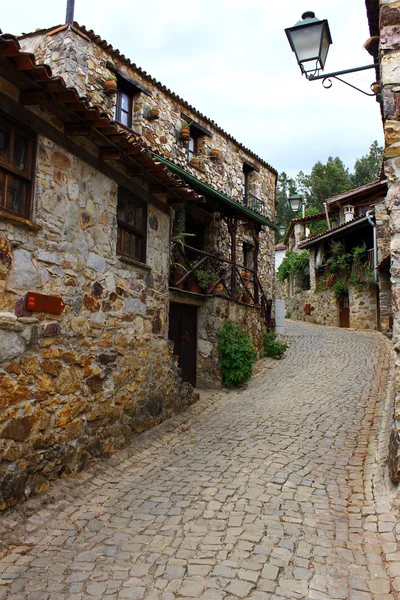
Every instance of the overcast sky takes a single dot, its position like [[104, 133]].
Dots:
[[231, 60]]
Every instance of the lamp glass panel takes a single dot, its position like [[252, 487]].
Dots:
[[325, 43], [307, 41]]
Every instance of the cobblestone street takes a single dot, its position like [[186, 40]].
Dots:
[[274, 491]]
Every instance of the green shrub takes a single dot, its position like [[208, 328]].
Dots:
[[237, 354], [272, 347], [340, 289], [292, 263]]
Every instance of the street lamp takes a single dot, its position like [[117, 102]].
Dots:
[[282, 230], [310, 39], [296, 201]]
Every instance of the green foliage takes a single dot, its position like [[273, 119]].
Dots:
[[366, 168], [272, 347], [292, 263], [357, 250], [317, 226], [336, 248], [355, 282], [237, 354], [369, 274], [324, 181], [203, 276], [288, 315], [332, 264], [340, 288], [285, 187], [342, 262]]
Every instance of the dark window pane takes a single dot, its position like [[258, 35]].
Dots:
[[2, 189], [4, 143], [20, 154], [125, 102], [126, 248], [16, 194]]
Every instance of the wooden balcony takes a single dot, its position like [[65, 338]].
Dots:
[[207, 274]]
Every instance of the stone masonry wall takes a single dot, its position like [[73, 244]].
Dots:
[[80, 384], [210, 319], [325, 308], [389, 50]]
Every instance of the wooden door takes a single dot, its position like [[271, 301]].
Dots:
[[344, 311], [183, 332]]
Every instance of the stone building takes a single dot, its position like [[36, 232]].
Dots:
[[384, 24], [94, 190], [348, 283]]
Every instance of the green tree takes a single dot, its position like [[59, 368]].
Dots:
[[317, 226], [324, 181], [366, 168], [285, 187]]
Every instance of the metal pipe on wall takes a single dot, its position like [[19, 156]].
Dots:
[[69, 17]]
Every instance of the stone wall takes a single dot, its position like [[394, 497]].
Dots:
[[389, 50], [325, 308], [211, 316], [80, 384]]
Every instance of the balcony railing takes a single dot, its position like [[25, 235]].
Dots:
[[358, 270], [203, 273], [255, 204]]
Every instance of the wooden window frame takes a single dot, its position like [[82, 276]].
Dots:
[[119, 110], [127, 229], [26, 176], [192, 153]]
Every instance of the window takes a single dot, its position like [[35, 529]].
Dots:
[[123, 108], [245, 184], [132, 226], [192, 146], [16, 166]]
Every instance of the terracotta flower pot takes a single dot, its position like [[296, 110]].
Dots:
[[218, 289], [246, 297], [110, 84], [184, 133], [214, 153], [154, 113], [194, 162], [178, 274], [193, 285]]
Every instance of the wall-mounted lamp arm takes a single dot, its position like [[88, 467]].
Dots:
[[327, 83]]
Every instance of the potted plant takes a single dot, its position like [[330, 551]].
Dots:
[[196, 161], [111, 83], [154, 113], [184, 133], [360, 253], [214, 153], [329, 280], [178, 241]]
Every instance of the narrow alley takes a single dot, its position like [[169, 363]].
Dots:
[[273, 491]]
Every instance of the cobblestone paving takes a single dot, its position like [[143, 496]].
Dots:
[[269, 492]]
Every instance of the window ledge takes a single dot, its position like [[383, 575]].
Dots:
[[133, 261], [6, 216]]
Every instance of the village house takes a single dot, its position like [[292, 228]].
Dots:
[[346, 282], [131, 226]]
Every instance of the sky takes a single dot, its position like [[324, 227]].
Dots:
[[231, 60]]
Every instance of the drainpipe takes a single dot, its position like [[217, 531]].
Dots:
[[373, 225], [327, 216]]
